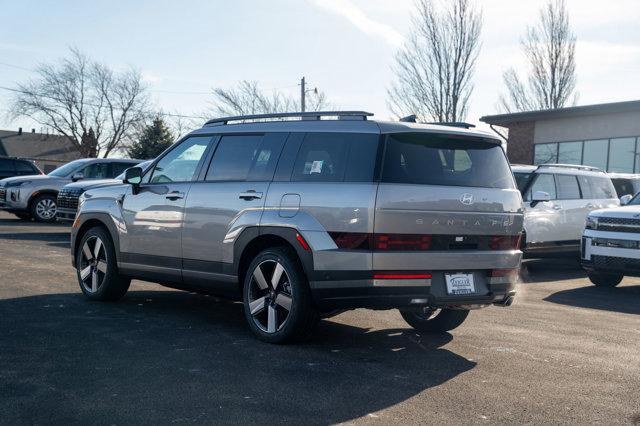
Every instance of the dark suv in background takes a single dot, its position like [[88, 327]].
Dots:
[[10, 167]]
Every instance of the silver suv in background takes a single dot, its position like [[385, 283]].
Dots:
[[302, 215], [556, 200], [35, 196]]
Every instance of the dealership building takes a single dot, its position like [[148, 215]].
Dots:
[[606, 136]]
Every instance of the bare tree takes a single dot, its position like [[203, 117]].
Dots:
[[248, 98], [435, 66], [550, 50], [79, 96]]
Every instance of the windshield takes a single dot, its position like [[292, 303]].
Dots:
[[522, 180], [67, 168], [142, 165], [432, 159]]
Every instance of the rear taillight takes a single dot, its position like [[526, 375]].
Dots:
[[401, 276], [407, 242], [505, 242]]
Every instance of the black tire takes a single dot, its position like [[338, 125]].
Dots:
[[23, 216], [445, 320], [40, 208], [602, 279], [110, 285], [294, 324]]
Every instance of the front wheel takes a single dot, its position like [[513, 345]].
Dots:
[[601, 279], [434, 320], [43, 208], [97, 268], [277, 298]]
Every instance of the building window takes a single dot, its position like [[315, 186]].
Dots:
[[570, 153], [595, 153], [621, 155], [545, 153]]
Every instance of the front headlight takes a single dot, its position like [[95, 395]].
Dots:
[[81, 200], [591, 223], [17, 184]]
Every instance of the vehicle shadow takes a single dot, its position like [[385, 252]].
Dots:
[[551, 269], [624, 299], [56, 239], [165, 356]]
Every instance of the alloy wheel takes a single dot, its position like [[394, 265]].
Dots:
[[46, 208], [93, 264], [270, 300]]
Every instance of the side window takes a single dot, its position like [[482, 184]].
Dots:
[[96, 171], [235, 156], [544, 182], [322, 158], [6, 166], [602, 187], [25, 167], [567, 187], [118, 168], [585, 187], [180, 164]]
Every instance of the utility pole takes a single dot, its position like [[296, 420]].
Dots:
[[303, 93]]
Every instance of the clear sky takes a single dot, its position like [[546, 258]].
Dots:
[[343, 47]]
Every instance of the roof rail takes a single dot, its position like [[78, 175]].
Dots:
[[571, 166], [460, 124], [311, 115]]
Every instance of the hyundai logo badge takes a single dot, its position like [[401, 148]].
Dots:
[[466, 199]]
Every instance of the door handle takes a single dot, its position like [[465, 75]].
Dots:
[[250, 195], [175, 195]]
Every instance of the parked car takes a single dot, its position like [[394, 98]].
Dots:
[[556, 201], [10, 167], [67, 201], [611, 244], [303, 218], [34, 196], [625, 183]]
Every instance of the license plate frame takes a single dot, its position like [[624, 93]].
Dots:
[[460, 283]]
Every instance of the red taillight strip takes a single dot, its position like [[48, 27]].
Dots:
[[400, 276], [302, 242]]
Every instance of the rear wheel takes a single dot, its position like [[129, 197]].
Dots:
[[97, 268], [277, 298], [434, 320], [43, 208], [601, 279]]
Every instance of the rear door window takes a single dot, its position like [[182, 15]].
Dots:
[[25, 167], [602, 187], [567, 187], [623, 186], [585, 187], [432, 159], [6, 166]]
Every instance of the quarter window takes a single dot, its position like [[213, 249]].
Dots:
[[322, 158], [180, 164]]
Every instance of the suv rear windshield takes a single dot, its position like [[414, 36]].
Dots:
[[432, 159]]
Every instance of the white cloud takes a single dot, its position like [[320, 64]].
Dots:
[[360, 20]]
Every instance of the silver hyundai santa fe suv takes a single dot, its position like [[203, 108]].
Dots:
[[302, 215]]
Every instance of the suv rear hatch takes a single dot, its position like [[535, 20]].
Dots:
[[446, 202]]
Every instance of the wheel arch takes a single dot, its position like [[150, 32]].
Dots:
[[88, 221], [40, 192], [253, 240]]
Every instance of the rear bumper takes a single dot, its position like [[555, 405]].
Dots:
[[369, 293]]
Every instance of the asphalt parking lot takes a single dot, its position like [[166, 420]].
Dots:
[[566, 352]]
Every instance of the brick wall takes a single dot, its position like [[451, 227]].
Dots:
[[520, 142]]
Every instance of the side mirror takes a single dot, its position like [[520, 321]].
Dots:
[[539, 196], [133, 176], [77, 176], [624, 200]]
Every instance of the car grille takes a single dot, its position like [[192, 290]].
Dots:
[[615, 263], [68, 198], [3, 194], [618, 224]]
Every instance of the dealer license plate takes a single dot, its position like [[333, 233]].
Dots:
[[458, 284]]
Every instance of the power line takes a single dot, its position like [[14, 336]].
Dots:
[[17, 67]]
